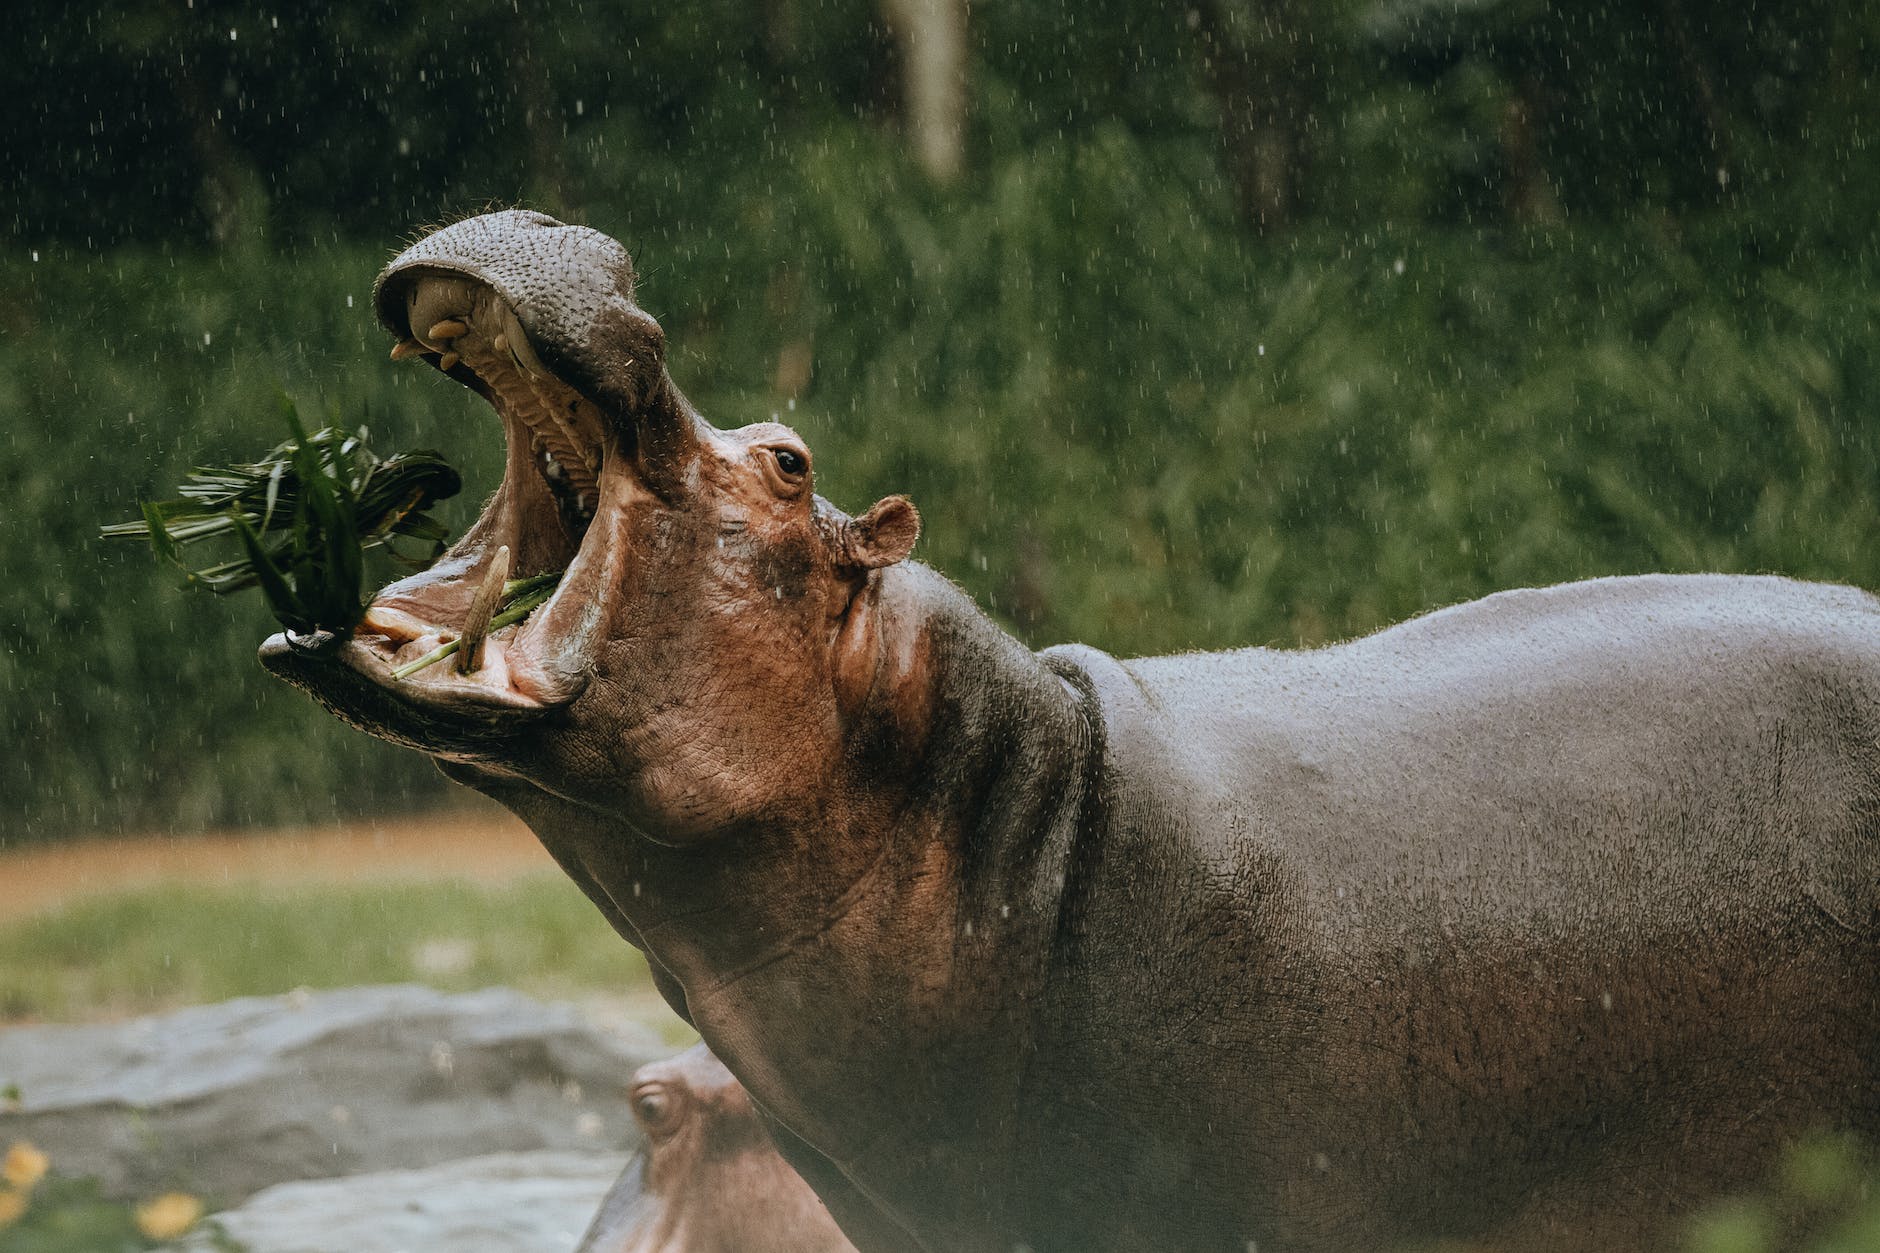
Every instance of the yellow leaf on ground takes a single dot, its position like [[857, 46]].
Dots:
[[12, 1205], [168, 1216]]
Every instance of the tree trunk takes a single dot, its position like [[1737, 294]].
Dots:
[[229, 190], [1528, 194], [931, 36], [1700, 84], [1254, 56]]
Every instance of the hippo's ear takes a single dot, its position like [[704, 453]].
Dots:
[[882, 536]]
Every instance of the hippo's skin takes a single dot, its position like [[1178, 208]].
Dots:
[[710, 1180], [1531, 923]]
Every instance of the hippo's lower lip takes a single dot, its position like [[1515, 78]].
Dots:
[[468, 724]]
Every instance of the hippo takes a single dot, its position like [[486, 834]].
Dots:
[[1531, 923], [710, 1180]]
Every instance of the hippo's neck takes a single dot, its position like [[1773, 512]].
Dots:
[[878, 953], [933, 858]]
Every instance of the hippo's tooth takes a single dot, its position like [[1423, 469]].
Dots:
[[515, 341], [406, 349], [522, 352], [395, 624], [448, 362], [500, 343], [482, 608], [437, 302], [588, 459]]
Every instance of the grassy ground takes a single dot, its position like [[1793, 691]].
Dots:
[[167, 946], [312, 909], [188, 921], [471, 842]]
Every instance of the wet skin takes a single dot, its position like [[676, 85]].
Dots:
[[710, 1179], [1532, 922]]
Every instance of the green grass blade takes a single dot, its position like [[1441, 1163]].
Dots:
[[282, 598], [274, 493], [304, 514], [160, 534]]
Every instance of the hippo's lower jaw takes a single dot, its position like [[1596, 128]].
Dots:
[[378, 706], [571, 476]]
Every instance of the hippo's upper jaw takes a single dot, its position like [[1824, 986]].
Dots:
[[539, 318]]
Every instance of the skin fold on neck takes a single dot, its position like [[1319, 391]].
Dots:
[[928, 875]]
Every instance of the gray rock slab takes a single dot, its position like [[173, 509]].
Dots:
[[224, 1100], [499, 1203]]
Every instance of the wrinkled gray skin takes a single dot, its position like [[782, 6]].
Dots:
[[1532, 922]]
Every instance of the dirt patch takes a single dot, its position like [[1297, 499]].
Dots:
[[481, 843]]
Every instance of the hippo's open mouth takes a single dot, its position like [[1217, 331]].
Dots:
[[561, 451], [538, 318]]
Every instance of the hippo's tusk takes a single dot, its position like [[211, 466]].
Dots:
[[482, 608], [516, 341], [438, 302], [405, 349], [448, 362]]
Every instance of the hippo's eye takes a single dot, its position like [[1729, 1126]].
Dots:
[[654, 1107], [790, 461]]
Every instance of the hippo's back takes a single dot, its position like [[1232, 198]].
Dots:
[[1462, 921], [1616, 747]]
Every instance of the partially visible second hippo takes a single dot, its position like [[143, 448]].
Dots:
[[710, 1180]]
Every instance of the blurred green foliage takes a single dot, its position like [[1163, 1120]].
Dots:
[[1824, 1199], [294, 123], [1126, 418], [71, 1214]]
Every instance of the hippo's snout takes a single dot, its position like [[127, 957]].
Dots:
[[688, 571], [539, 318]]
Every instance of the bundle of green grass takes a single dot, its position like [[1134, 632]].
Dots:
[[304, 515]]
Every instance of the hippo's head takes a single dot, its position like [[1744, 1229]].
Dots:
[[710, 1181], [712, 605]]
